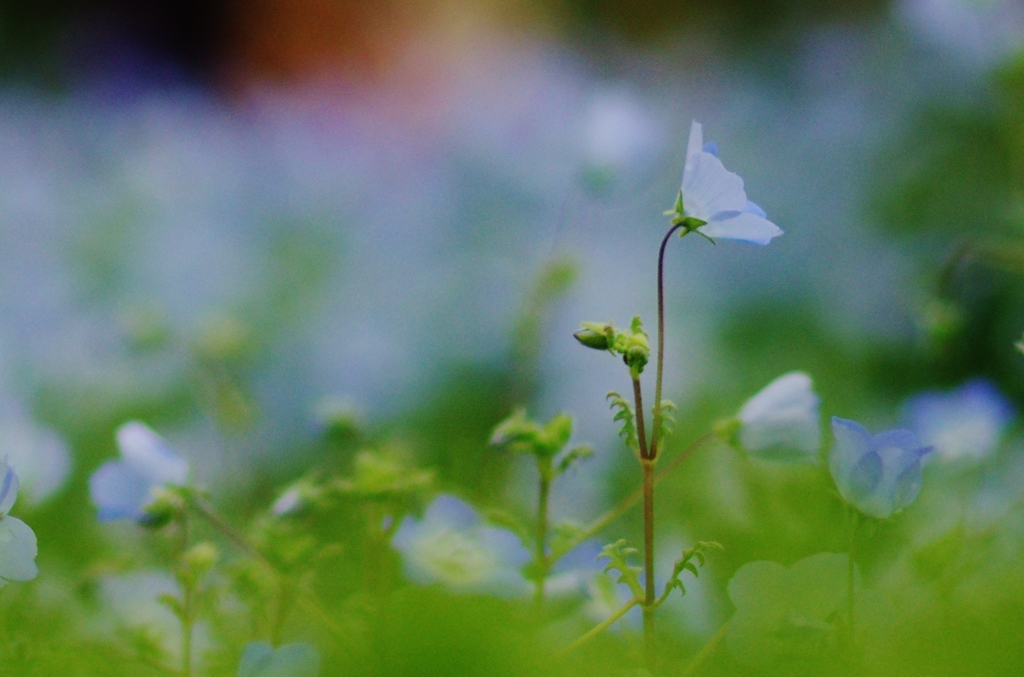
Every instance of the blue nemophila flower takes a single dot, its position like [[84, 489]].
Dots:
[[781, 421], [713, 195], [877, 474], [965, 423], [451, 545], [260, 659], [124, 489], [18, 546]]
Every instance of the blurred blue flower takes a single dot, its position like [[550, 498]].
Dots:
[[260, 659], [965, 423], [452, 546], [124, 489], [781, 421], [877, 474], [18, 546], [715, 195]]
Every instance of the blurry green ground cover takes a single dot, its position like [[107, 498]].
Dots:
[[953, 199]]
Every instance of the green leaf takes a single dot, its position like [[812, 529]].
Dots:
[[576, 454], [668, 420], [618, 554], [685, 563], [624, 413]]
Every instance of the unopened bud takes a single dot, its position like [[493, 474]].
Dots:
[[596, 335]]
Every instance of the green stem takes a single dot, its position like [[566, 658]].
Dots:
[[647, 464], [706, 652], [186, 606], [661, 340], [850, 579], [649, 606], [628, 502], [598, 629], [541, 558]]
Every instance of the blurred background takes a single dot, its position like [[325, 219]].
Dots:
[[248, 223]]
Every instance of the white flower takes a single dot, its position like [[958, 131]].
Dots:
[[123, 489], [715, 195], [965, 423], [451, 545], [781, 421], [18, 546]]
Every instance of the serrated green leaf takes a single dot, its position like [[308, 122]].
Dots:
[[617, 554], [579, 453], [624, 413]]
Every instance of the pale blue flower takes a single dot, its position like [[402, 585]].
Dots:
[[715, 195], [124, 489], [452, 546], [18, 546], [781, 421], [964, 423], [260, 659], [877, 474]]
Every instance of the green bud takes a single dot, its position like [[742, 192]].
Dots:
[[201, 557], [596, 335], [636, 351], [166, 505], [556, 435]]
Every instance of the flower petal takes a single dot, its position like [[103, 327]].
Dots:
[[744, 226], [119, 491], [782, 417], [8, 488], [149, 455], [18, 550], [710, 188]]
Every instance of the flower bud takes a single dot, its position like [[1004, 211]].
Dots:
[[201, 557], [596, 335]]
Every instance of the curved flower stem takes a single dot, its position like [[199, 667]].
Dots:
[[661, 341], [598, 629], [648, 460], [628, 502]]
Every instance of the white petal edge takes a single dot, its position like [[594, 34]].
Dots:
[[18, 550], [745, 227]]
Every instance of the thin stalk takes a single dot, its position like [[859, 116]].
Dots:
[[541, 554], [186, 606], [649, 596], [186, 632], [598, 629], [661, 340], [706, 652], [850, 576], [647, 464], [629, 501]]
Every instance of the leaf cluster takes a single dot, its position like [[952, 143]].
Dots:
[[520, 434], [618, 554]]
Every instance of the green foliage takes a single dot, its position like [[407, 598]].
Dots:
[[624, 414], [618, 554], [697, 552]]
